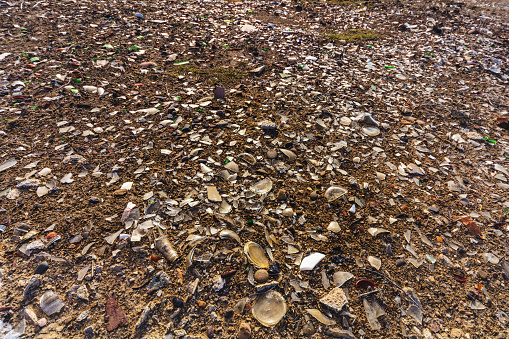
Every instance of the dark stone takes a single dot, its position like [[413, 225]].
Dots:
[[219, 93], [41, 268], [178, 302], [228, 313], [400, 262], [274, 268]]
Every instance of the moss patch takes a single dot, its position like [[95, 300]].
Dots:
[[215, 75], [355, 34]]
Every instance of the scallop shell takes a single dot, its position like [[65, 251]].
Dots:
[[256, 254]]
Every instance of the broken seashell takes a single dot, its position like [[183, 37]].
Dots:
[[256, 254], [262, 186], [334, 193], [229, 234], [269, 308], [309, 262]]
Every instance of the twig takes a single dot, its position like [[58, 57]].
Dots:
[[395, 285]]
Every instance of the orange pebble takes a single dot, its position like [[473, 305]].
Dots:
[[155, 258], [439, 239], [51, 235]]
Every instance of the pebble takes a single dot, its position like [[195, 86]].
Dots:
[[281, 195], [42, 322], [261, 276], [89, 331], [210, 332], [400, 262], [177, 302], [308, 329], [41, 268], [483, 274], [272, 154], [244, 331]]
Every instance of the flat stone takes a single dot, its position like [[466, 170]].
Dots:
[[335, 299], [32, 286], [343, 334], [213, 195], [268, 125], [116, 315]]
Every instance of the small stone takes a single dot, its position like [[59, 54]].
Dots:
[[116, 268], [219, 93], [94, 200], [400, 262], [178, 302], [308, 329], [313, 196], [89, 331], [271, 154], [217, 283], [281, 194], [41, 268], [42, 322], [51, 303], [433, 209], [244, 331], [120, 192], [483, 274], [268, 125], [261, 276], [32, 287], [229, 313], [210, 331], [201, 304], [345, 121], [116, 315], [274, 268], [29, 315]]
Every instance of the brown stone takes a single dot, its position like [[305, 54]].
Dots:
[[261, 276], [120, 192], [116, 315], [244, 331]]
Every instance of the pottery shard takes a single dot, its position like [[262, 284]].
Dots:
[[116, 315], [335, 299]]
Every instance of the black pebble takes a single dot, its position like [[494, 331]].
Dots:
[[41, 268], [178, 302]]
